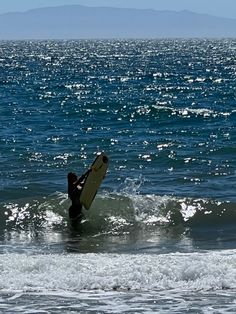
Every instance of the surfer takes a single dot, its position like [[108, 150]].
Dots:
[[75, 185]]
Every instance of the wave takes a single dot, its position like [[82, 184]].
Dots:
[[117, 213], [107, 272]]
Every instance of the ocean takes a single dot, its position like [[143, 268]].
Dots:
[[160, 236]]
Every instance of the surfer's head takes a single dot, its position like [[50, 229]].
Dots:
[[71, 177]]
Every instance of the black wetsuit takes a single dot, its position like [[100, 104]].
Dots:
[[74, 191]]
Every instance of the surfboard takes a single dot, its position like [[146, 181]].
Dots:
[[94, 180]]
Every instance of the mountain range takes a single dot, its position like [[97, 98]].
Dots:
[[79, 22]]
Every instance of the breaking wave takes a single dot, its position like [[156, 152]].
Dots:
[[141, 272], [114, 213]]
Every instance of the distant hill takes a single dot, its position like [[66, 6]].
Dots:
[[75, 22]]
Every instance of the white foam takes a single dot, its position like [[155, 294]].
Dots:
[[142, 272]]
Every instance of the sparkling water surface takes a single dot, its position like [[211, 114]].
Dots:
[[160, 235]]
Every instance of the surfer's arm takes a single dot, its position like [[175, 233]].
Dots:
[[81, 179]]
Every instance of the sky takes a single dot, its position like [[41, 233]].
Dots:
[[224, 8]]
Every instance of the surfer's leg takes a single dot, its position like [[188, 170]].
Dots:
[[75, 211]]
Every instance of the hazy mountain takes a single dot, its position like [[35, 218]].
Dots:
[[75, 21]]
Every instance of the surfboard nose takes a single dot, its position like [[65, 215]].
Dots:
[[105, 159]]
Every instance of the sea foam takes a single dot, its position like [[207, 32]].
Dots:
[[108, 272]]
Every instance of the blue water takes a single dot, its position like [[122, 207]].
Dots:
[[160, 235]]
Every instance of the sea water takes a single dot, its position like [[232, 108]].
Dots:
[[160, 236]]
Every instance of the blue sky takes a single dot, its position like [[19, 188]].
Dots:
[[225, 8]]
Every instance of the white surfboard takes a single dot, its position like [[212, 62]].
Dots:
[[94, 180]]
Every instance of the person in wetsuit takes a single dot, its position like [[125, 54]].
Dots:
[[75, 185]]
